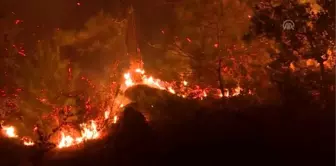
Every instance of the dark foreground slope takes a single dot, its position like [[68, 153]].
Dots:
[[292, 134]]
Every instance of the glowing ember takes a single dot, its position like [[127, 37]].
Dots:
[[9, 131]]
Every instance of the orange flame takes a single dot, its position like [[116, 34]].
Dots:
[[106, 114], [27, 141], [185, 83], [89, 132], [115, 119], [66, 141], [157, 83], [9, 131]]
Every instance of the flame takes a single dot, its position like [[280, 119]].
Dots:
[[115, 119], [129, 81], [237, 91], [106, 114], [66, 141], [9, 131], [171, 90], [27, 141], [185, 83], [89, 132], [159, 84], [204, 94]]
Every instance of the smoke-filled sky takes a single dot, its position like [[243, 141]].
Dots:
[[54, 13], [39, 18]]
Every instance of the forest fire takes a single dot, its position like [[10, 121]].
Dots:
[[89, 130], [223, 72]]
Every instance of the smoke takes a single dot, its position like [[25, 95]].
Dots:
[[97, 46]]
